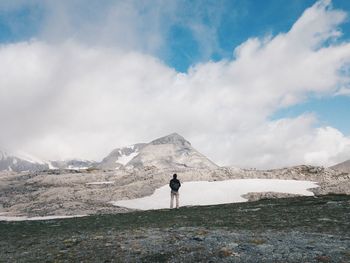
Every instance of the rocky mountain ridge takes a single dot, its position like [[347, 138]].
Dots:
[[26, 163], [169, 152], [343, 167], [9, 162]]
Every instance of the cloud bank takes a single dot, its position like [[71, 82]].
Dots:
[[64, 99]]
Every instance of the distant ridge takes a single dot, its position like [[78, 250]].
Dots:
[[10, 162], [24, 162], [342, 167], [172, 151], [74, 164]]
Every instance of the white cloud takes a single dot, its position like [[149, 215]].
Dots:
[[73, 100], [287, 142]]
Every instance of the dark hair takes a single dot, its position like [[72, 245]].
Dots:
[[174, 176]]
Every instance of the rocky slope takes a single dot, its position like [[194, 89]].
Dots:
[[343, 167], [329, 180], [91, 191]]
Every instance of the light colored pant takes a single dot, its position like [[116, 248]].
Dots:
[[172, 195]]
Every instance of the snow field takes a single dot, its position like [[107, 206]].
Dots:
[[217, 192]]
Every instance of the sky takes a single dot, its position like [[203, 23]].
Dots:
[[261, 84]]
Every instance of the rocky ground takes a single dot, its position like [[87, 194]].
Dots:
[[298, 229], [70, 192]]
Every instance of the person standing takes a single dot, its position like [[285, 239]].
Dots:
[[174, 186]]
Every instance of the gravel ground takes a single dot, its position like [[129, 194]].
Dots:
[[186, 245], [300, 229]]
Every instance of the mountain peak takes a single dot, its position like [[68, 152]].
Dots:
[[173, 138]]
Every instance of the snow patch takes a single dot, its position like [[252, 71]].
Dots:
[[219, 192], [72, 167], [51, 166], [124, 159], [25, 218]]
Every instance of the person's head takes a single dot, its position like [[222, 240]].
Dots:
[[174, 176]]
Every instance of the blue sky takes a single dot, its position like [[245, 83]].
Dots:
[[232, 21], [331, 111], [200, 39]]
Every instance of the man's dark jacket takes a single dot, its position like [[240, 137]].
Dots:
[[174, 184]]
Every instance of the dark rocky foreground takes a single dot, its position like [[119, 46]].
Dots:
[[298, 229]]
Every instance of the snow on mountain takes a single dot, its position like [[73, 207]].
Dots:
[[119, 157], [21, 162], [219, 192], [73, 164], [343, 167], [25, 162], [29, 158], [124, 159]]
